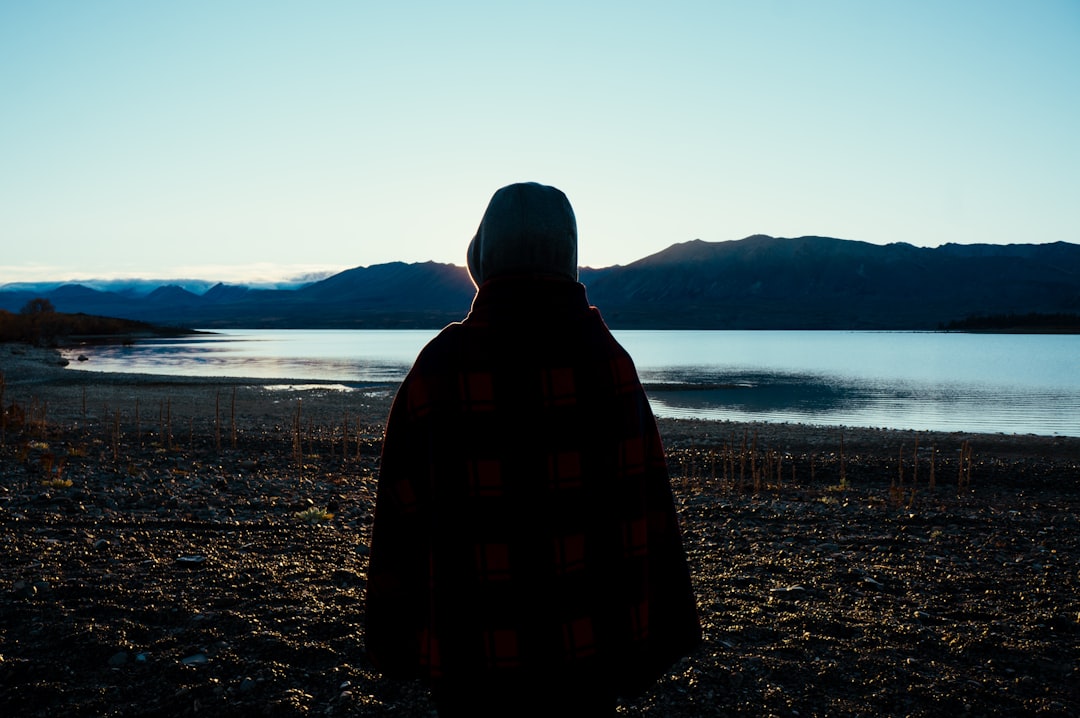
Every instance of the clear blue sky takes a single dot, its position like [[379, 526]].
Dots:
[[231, 140]]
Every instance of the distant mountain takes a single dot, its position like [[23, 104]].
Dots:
[[759, 282], [823, 283], [142, 287]]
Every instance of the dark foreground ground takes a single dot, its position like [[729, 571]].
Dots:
[[190, 568]]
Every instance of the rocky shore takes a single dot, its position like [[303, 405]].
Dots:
[[178, 547]]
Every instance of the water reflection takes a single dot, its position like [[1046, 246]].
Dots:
[[987, 383], [258, 357], [831, 400], [751, 393]]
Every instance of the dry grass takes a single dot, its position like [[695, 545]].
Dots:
[[744, 465]]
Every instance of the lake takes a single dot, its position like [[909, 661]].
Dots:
[[904, 380]]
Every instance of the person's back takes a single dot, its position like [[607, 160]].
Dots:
[[526, 553]]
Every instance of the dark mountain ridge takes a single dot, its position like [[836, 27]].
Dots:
[[759, 282], [823, 283]]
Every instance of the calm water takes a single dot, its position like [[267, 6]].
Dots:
[[963, 382]]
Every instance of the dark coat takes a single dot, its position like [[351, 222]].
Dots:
[[524, 524]]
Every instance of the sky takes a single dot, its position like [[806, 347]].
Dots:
[[241, 141]]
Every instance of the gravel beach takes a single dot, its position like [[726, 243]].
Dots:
[[180, 547]]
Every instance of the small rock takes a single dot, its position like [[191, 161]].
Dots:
[[24, 589], [873, 583], [344, 578], [190, 561], [198, 659]]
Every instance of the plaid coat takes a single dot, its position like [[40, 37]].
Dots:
[[524, 523]]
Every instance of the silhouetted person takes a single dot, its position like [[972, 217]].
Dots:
[[526, 557]]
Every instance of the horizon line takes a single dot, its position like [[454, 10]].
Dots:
[[269, 274]]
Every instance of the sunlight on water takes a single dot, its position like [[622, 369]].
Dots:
[[308, 387], [905, 380], [323, 355], [954, 410]]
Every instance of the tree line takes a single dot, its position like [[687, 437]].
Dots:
[[40, 324]]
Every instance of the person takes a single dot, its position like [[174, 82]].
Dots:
[[526, 557]]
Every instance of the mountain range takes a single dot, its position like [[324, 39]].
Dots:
[[759, 282]]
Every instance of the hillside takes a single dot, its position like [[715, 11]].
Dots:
[[823, 283], [759, 282], [50, 328]]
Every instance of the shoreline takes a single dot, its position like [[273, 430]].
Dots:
[[35, 372], [178, 546]]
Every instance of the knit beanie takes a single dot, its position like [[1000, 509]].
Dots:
[[528, 228]]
